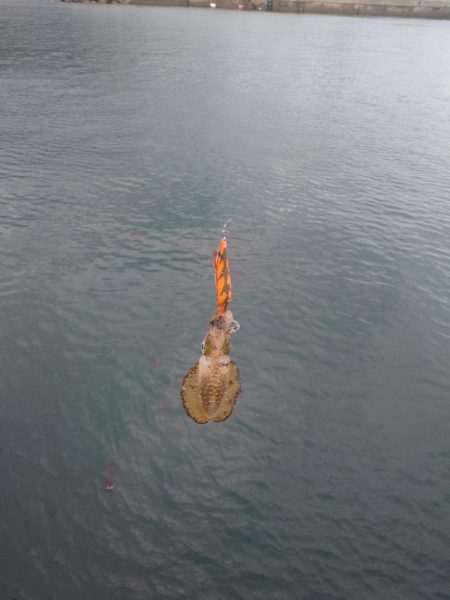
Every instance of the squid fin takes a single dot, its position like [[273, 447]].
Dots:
[[234, 387], [189, 396]]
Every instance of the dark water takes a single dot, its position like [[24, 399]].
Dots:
[[128, 136]]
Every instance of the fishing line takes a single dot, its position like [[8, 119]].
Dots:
[[225, 226]]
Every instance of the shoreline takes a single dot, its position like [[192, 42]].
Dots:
[[421, 9]]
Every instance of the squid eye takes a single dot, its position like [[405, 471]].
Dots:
[[203, 344]]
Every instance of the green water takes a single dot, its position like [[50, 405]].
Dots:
[[129, 135]]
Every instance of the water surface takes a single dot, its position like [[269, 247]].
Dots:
[[128, 136]]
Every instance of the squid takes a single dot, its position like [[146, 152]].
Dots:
[[210, 388]]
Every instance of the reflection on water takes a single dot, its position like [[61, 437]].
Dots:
[[129, 135]]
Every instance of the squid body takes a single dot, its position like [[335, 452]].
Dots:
[[211, 387]]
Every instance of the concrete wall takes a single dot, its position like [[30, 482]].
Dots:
[[436, 9], [429, 9]]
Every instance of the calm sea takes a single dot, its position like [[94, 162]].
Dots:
[[128, 136]]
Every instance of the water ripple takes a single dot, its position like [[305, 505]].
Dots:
[[130, 135]]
